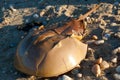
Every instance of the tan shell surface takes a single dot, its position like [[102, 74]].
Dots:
[[46, 61]]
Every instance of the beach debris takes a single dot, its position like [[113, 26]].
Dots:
[[36, 16], [35, 52]]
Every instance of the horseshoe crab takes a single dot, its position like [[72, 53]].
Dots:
[[52, 52]]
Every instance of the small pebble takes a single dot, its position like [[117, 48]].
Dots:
[[27, 20], [42, 13], [114, 60], [94, 37], [22, 37], [116, 76], [118, 69], [99, 42], [117, 35], [106, 36], [32, 78], [98, 61], [65, 77], [102, 22], [113, 24], [96, 70], [79, 75], [90, 41], [117, 50], [104, 65], [36, 16]]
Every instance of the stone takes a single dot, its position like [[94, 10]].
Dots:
[[116, 76], [79, 75], [118, 69], [99, 42], [96, 70], [104, 65], [65, 77]]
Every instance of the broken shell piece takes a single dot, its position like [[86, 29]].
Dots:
[[94, 37], [104, 65], [99, 42], [98, 61], [96, 70]]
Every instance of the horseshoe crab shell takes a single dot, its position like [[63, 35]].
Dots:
[[47, 60]]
